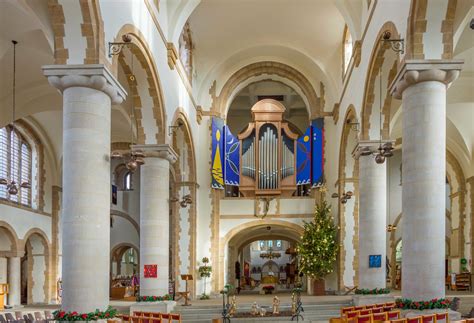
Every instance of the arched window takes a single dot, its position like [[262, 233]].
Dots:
[[186, 51], [127, 181], [15, 164], [347, 49]]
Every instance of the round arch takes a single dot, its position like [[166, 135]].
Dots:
[[184, 184], [13, 237], [142, 53], [378, 56], [345, 181], [268, 69], [35, 267], [230, 243]]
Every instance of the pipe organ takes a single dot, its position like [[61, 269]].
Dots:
[[267, 158]]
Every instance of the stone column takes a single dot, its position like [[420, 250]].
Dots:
[[88, 92], [14, 281], [422, 87], [372, 216], [154, 216]]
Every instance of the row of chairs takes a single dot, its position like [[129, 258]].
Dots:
[[431, 318], [18, 316], [150, 317], [371, 315], [386, 307]]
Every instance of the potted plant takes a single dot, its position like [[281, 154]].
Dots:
[[318, 247], [205, 272], [268, 289]]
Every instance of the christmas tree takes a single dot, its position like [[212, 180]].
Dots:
[[318, 246]]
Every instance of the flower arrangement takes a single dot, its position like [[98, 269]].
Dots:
[[408, 304], [205, 272], [154, 298], [109, 313], [375, 291]]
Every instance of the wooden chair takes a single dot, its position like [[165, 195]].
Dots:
[[350, 289], [175, 318], [377, 310], [48, 315], [393, 315], [442, 317], [38, 316], [428, 319], [137, 313], [364, 319], [379, 317], [399, 321], [365, 312], [390, 304], [157, 315], [470, 320], [359, 308], [369, 306], [380, 305], [345, 310], [352, 314], [415, 319]]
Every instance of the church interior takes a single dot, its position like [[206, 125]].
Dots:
[[258, 160]]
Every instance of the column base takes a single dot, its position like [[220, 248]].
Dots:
[[360, 300], [153, 307]]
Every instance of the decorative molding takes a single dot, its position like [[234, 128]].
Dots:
[[157, 151], [335, 112], [447, 27], [172, 55], [94, 76], [417, 71], [357, 52], [56, 14]]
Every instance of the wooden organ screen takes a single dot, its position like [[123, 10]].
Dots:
[[267, 152]]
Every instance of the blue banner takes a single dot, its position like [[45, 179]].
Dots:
[[232, 158], [217, 171], [303, 158], [317, 158]]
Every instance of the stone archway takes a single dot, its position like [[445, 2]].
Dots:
[[245, 233], [146, 88], [348, 214], [35, 268], [245, 74], [184, 221], [381, 56]]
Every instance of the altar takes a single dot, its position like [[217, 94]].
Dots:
[[268, 279]]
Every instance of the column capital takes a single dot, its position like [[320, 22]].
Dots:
[[157, 151], [421, 70], [94, 76], [373, 145]]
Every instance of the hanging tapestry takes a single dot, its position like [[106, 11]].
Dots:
[[232, 158], [217, 171], [303, 158], [317, 152]]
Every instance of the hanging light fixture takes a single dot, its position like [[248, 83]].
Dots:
[[11, 185], [136, 157], [344, 197]]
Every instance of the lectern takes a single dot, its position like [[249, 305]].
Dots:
[[3, 294], [185, 294]]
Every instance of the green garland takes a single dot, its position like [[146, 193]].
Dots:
[[436, 303], [375, 291], [318, 247], [109, 313], [154, 298]]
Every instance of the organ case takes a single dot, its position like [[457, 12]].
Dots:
[[267, 152]]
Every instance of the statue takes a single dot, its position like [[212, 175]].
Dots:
[[263, 311], [293, 304], [276, 305], [233, 306], [254, 310]]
